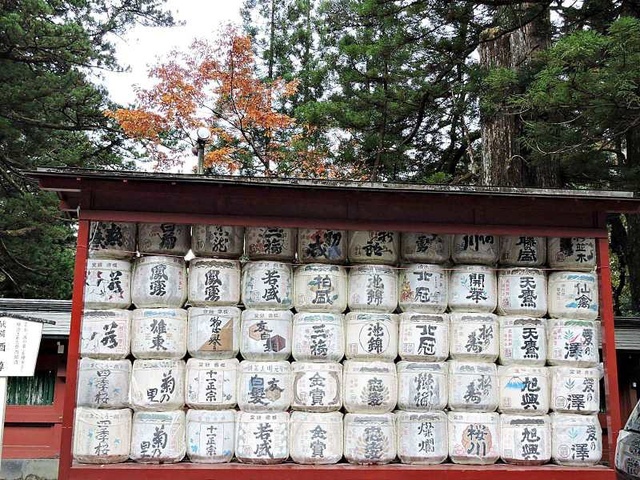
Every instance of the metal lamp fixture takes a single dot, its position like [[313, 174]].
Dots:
[[203, 134]]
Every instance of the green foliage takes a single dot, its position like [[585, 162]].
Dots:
[[36, 248], [51, 115], [497, 84], [585, 101]]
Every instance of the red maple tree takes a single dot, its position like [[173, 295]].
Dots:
[[216, 85]]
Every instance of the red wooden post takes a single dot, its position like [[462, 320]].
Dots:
[[77, 308], [614, 422]]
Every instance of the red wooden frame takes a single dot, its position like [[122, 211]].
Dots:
[[614, 422], [138, 201], [34, 431], [236, 471], [73, 354]]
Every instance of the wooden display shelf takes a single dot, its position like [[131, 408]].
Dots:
[[143, 197], [290, 471]]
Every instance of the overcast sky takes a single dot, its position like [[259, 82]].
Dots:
[[142, 46]]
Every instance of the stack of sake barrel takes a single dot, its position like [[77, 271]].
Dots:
[[213, 342], [264, 376], [102, 431], [522, 386], [428, 318], [371, 348], [567, 341], [159, 289], [423, 347], [156, 337], [320, 298]]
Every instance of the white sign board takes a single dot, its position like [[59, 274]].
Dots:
[[19, 345]]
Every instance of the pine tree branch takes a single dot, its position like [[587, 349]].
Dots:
[[15, 260]]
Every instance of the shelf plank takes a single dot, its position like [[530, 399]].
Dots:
[[288, 471]]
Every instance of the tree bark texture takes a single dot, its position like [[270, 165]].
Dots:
[[504, 162]]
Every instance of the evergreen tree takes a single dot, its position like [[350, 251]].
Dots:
[[51, 115]]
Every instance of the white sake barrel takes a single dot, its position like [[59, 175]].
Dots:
[[318, 337], [262, 438], [107, 284], [371, 336], [316, 438], [217, 241], [373, 288], [523, 251], [103, 383], [474, 336], [573, 295], [525, 440], [267, 285], [422, 386], [158, 282], [264, 386], [479, 249], [317, 387], [164, 238], [318, 245], [524, 390], [101, 436], [573, 342], [106, 334], [369, 386], [572, 253], [522, 291], [369, 438], [627, 461], [158, 437], [374, 247], [473, 288], [473, 386], [425, 247], [266, 334], [270, 243], [320, 288], [423, 337], [575, 390], [211, 384], [576, 440], [633, 422], [213, 332], [211, 436], [422, 437], [523, 341], [423, 288], [159, 333], [157, 385], [474, 438], [112, 240], [214, 282]]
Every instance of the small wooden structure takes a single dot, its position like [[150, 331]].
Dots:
[[33, 420], [191, 199]]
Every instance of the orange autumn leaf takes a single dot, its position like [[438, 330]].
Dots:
[[216, 84]]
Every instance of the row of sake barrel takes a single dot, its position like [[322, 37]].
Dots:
[[356, 386], [160, 281], [313, 245], [102, 436], [223, 332]]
